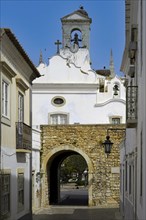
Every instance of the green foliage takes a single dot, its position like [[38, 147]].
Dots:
[[80, 182], [74, 164]]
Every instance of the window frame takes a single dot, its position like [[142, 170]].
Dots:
[[114, 117], [58, 97], [58, 114], [114, 120], [20, 206], [5, 98], [7, 75], [20, 108], [4, 194]]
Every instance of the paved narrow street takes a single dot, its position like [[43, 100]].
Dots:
[[72, 196], [77, 213], [73, 206]]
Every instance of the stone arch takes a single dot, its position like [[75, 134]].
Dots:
[[57, 150], [78, 32]]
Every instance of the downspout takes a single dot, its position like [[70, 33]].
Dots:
[[30, 192], [135, 201], [1, 37], [0, 141], [124, 175]]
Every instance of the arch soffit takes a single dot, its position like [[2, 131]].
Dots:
[[70, 148]]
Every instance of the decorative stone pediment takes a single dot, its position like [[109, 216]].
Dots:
[[80, 14], [75, 17]]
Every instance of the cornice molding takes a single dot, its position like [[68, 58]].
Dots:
[[65, 86], [110, 101]]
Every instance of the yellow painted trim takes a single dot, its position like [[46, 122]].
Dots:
[[22, 151], [6, 171], [20, 170]]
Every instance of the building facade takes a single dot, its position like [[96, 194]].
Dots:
[[133, 151], [69, 90], [16, 76]]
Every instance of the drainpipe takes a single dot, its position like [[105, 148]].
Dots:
[[123, 189], [0, 145], [30, 102], [124, 178], [135, 215]]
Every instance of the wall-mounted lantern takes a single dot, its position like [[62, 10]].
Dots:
[[107, 145]]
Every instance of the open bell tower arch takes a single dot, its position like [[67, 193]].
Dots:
[[78, 21]]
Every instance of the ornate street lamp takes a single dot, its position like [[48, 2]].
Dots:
[[107, 145]]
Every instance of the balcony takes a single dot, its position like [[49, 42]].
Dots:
[[23, 137], [131, 106]]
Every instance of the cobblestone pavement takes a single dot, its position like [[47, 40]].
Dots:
[[77, 213]]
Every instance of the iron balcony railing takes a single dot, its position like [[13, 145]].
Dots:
[[131, 106], [23, 136]]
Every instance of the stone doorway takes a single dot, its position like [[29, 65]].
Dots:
[[69, 189]]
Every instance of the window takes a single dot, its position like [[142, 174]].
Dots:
[[115, 120], [20, 107], [58, 119], [5, 190], [20, 191], [58, 101], [5, 98]]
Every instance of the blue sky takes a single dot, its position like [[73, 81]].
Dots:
[[37, 25]]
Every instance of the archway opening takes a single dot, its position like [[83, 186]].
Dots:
[[76, 37], [67, 179]]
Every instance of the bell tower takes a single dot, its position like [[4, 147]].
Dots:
[[76, 30]]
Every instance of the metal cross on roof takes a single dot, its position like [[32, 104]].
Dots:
[[58, 43]]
